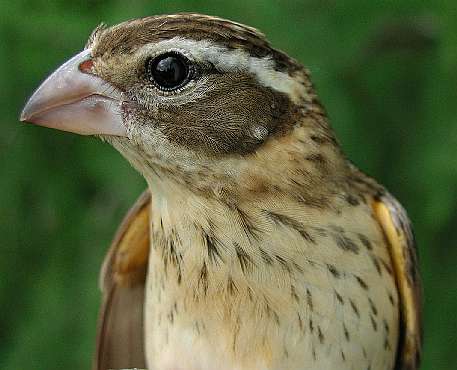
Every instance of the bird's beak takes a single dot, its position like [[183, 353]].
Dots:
[[73, 99]]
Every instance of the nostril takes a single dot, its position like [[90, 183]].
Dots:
[[86, 66]]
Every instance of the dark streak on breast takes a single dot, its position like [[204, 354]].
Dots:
[[346, 333], [391, 299], [246, 223], [320, 335], [376, 264], [271, 313], [373, 307], [361, 282], [231, 286], [354, 307], [283, 263], [300, 323], [265, 256], [365, 241], [211, 243], [352, 200], [203, 278], [245, 260], [387, 267], [289, 222], [374, 323], [309, 300], [339, 297], [333, 270], [345, 243], [293, 294], [297, 267], [386, 344]]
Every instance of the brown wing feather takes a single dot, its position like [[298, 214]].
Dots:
[[120, 339], [397, 229]]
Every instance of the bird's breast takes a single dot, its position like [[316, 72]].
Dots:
[[269, 289]]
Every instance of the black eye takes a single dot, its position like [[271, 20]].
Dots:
[[169, 71]]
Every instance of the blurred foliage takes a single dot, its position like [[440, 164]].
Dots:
[[385, 70]]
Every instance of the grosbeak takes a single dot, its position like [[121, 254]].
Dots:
[[257, 245]]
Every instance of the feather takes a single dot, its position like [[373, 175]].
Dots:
[[397, 229], [120, 339]]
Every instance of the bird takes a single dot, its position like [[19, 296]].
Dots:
[[257, 244]]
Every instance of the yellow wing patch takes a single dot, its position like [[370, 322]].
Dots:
[[397, 229], [132, 252], [129, 251]]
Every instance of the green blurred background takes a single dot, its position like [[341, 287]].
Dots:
[[386, 71]]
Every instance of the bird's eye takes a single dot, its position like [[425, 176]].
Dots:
[[169, 71]]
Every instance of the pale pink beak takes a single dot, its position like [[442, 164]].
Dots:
[[72, 99]]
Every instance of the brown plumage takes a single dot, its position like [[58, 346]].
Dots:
[[257, 245]]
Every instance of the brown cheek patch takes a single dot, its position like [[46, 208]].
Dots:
[[235, 117]]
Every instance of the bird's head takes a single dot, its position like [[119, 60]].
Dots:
[[188, 96]]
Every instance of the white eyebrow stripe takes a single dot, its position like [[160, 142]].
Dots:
[[229, 60]]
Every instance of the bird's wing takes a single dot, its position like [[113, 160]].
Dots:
[[398, 232], [120, 339]]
